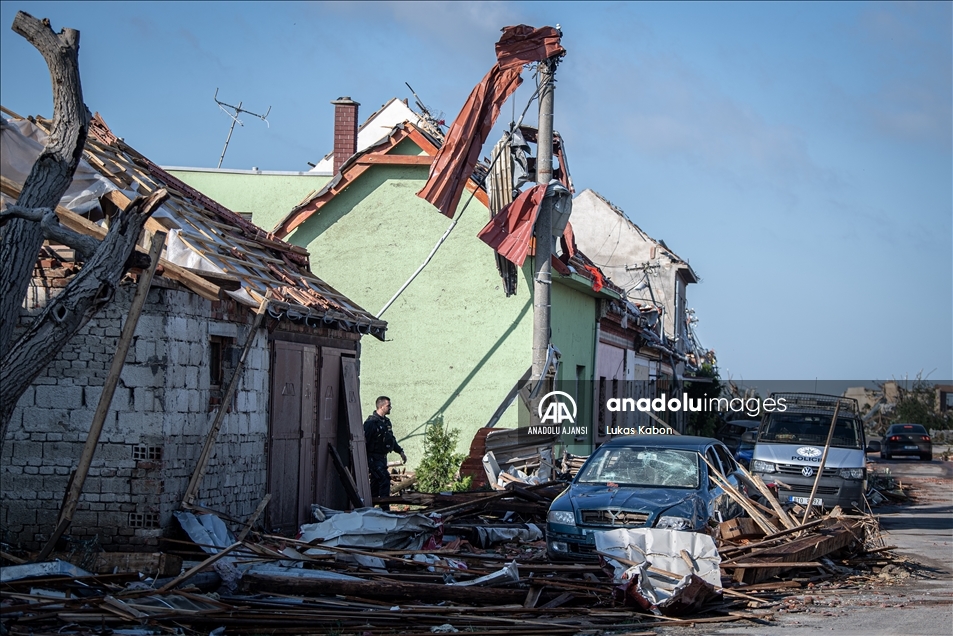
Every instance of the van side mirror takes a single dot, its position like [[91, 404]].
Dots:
[[749, 437], [873, 447]]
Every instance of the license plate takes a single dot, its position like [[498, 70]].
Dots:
[[909, 448], [803, 501]]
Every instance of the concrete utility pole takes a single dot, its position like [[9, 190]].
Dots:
[[542, 276]]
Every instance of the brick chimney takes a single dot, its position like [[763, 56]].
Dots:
[[345, 130]]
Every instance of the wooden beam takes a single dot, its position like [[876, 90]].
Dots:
[[743, 501], [358, 445], [391, 590], [78, 479], [349, 486], [807, 548], [198, 568], [166, 269], [254, 517], [396, 160]]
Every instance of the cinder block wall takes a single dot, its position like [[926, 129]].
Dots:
[[154, 431]]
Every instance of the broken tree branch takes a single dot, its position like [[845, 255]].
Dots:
[[90, 290], [52, 230], [52, 173]]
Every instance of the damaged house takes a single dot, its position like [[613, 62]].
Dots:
[[458, 342], [296, 407], [656, 280]]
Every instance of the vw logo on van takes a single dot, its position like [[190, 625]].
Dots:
[[809, 451], [807, 471]]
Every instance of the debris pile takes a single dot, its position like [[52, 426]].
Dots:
[[473, 562]]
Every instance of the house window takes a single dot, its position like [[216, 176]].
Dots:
[[221, 363]]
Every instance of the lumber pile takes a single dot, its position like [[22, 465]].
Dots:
[[485, 570]]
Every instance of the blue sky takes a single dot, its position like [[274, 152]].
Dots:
[[798, 154]]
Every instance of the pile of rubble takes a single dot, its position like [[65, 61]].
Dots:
[[473, 562]]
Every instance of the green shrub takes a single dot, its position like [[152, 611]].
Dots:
[[438, 470]]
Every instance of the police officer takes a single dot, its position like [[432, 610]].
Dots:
[[380, 442]]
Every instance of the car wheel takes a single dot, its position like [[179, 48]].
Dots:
[[884, 455], [927, 458]]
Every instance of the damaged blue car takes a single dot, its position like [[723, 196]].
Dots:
[[644, 481]]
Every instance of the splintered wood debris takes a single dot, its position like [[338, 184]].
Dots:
[[289, 586]]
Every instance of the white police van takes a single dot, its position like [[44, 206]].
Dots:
[[790, 443]]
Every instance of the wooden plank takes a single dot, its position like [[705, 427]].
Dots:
[[767, 494], [805, 549], [198, 568], [349, 486], [358, 445], [396, 160], [153, 564], [254, 517], [167, 269], [390, 589], [75, 488], [740, 528], [743, 501]]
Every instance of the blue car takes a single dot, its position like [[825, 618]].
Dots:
[[644, 481], [744, 453]]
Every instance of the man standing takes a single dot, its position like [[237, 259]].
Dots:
[[380, 442]]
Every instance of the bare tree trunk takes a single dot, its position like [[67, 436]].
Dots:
[[22, 234], [20, 239]]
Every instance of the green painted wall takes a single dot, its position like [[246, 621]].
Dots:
[[268, 196], [456, 344], [574, 334]]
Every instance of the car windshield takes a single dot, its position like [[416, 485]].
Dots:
[[811, 428], [628, 466]]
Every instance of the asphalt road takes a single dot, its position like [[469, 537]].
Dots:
[[919, 604]]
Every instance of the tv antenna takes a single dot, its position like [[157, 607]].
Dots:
[[235, 120]]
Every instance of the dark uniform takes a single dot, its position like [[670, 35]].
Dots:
[[380, 442]]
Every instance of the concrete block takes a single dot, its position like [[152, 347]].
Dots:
[[81, 419], [43, 420], [92, 395], [58, 396], [141, 376], [144, 399], [197, 354], [192, 377], [181, 401]]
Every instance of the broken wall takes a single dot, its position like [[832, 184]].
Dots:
[[154, 430]]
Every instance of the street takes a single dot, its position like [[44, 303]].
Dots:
[[897, 603]]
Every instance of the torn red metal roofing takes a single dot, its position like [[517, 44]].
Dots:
[[510, 231], [522, 44], [461, 149]]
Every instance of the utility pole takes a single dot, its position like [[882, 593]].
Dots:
[[542, 276]]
